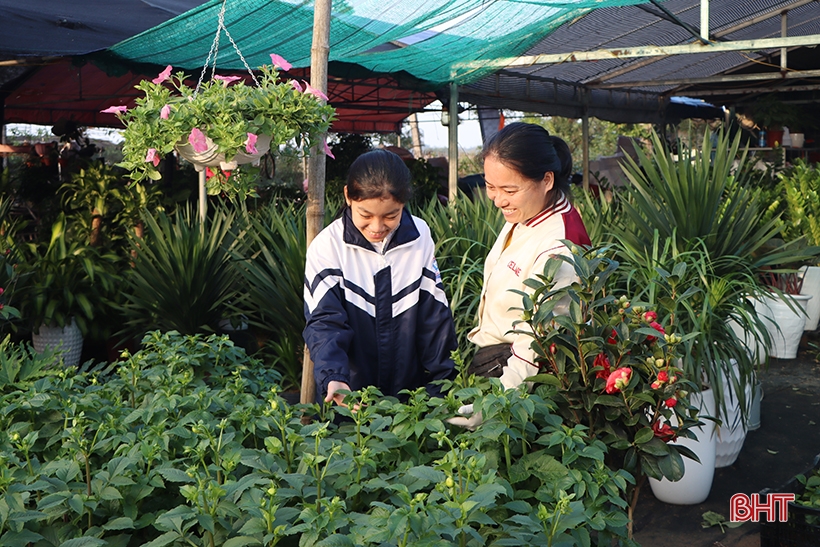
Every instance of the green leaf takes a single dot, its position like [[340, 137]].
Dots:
[[174, 475], [241, 541], [84, 542], [19, 539], [121, 523], [644, 435], [336, 540], [165, 539]]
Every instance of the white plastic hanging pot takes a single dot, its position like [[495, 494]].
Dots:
[[211, 157], [696, 483]]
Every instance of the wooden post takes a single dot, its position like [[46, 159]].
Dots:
[[585, 147], [203, 197], [316, 165], [452, 144], [414, 132]]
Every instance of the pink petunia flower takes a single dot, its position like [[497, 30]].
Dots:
[[165, 112], [226, 79], [250, 144], [618, 380], [164, 75], [327, 150], [279, 62], [114, 110], [197, 140], [297, 86], [315, 92], [152, 156]]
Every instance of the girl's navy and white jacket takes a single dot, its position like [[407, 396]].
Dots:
[[377, 319]]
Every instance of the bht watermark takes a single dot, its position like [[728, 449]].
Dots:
[[775, 507]]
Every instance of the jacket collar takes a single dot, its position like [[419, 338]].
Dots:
[[405, 232]]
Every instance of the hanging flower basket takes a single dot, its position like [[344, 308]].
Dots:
[[222, 122], [212, 157]]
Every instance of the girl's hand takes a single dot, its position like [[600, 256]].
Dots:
[[332, 388]]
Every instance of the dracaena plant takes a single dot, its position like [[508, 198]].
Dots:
[[222, 112], [612, 365]]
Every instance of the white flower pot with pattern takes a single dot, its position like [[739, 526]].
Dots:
[[785, 324], [696, 483], [68, 340], [811, 286]]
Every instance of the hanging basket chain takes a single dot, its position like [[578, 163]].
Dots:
[[214, 51]]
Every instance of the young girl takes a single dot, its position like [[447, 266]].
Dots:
[[374, 302]]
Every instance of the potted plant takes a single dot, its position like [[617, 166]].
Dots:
[[772, 114], [798, 196], [612, 366], [62, 278], [220, 123]]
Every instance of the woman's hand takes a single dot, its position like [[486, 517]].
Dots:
[[332, 388]]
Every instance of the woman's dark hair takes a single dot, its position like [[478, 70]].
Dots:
[[530, 150], [378, 174]]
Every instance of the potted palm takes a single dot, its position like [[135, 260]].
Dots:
[[726, 238], [62, 278], [219, 123]]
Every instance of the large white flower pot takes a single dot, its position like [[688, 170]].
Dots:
[[811, 286], [785, 324], [68, 340], [731, 434], [696, 483], [213, 158]]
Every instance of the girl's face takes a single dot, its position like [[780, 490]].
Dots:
[[519, 198], [376, 217]]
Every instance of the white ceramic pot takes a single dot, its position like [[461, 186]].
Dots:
[[785, 324], [731, 434], [754, 408], [811, 286], [696, 483], [212, 158], [68, 340], [797, 140]]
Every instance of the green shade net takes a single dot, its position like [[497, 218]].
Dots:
[[429, 39]]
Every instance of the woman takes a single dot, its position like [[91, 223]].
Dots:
[[374, 302], [527, 173]]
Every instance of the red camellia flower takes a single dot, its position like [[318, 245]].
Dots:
[[663, 432], [650, 316], [601, 360], [553, 348], [613, 337], [618, 380], [671, 402], [657, 326]]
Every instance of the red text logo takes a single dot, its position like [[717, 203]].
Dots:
[[774, 506], [517, 269]]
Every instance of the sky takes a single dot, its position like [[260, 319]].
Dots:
[[434, 135]]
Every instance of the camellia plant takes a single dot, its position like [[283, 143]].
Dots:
[[611, 365], [222, 119]]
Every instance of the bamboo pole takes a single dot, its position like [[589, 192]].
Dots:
[[316, 165], [452, 144]]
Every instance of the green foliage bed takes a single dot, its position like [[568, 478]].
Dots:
[[189, 442]]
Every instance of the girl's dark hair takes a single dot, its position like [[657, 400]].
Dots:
[[378, 174], [530, 150]]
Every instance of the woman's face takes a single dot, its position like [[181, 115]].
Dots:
[[519, 198], [375, 218]]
